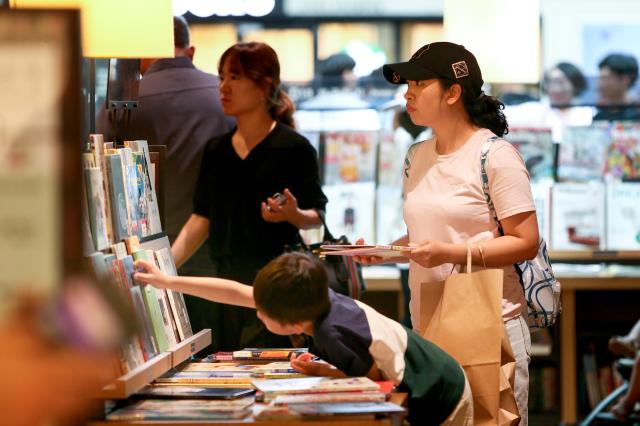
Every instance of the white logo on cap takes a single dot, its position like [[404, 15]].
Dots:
[[421, 51], [396, 77], [460, 69]]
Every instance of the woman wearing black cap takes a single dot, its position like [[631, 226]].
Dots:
[[445, 207]]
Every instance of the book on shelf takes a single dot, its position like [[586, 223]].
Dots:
[[349, 157], [272, 367], [323, 398], [379, 250], [183, 409], [175, 299], [623, 216], [273, 388], [146, 185], [152, 304], [582, 153], [578, 216], [191, 392], [96, 200], [117, 195], [206, 378], [344, 408], [623, 153], [537, 149], [257, 354]]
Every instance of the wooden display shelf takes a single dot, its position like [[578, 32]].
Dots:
[[136, 379], [594, 256], [190, 346]]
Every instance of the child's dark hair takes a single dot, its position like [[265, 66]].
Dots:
[[292, 288], [484, 111]]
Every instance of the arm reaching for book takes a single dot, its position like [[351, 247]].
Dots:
[[304, 363], [215, 289]]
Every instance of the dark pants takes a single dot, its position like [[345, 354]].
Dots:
[[232, 327]]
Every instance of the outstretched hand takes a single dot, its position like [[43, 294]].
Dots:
[[304, 364], [285, 212], [150, 274]]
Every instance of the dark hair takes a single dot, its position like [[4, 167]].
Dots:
[[331, 69], [259, 62], [292, 288], [181, 36], [573, 74], [622, 65], [484, 111]]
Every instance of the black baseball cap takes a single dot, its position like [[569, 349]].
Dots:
[[441, 59]]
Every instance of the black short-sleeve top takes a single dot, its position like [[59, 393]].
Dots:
[[230, 191]]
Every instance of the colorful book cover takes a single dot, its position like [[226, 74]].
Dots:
[[151, 301], [583, 152], [577, 216], [323, 398], [537, 149], [342, 408], [175, 299], [623, 216], [192, 392], [350, 157], [96, 205], [623, 153], [272, 388], [145, 170], [149, 344], [97, 147], [117, 193], [130, 173], [184, 409], [141, 181]]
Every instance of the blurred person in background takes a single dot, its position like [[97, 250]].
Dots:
[[337, 87], [179, 107], [235, 207], [562, 84], [618, 72]]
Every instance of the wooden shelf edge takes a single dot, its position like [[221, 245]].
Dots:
[[136, 379], [594, 255], [190, 346]]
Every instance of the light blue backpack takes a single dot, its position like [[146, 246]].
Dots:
[[541, 289]]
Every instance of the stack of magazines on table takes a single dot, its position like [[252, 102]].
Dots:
[[254, 382]]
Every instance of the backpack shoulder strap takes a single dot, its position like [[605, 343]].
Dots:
[[485, 178]]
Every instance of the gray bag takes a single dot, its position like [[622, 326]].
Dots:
[[541, 289]]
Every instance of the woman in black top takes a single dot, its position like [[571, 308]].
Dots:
[[240, 172]]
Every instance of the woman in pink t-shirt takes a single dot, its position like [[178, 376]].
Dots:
[[444, 204]]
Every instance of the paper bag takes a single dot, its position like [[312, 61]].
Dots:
[[463, 315]]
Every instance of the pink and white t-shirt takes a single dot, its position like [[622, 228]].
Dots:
[[444, 202]]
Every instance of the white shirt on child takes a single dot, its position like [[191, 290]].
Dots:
[[444, 201]]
